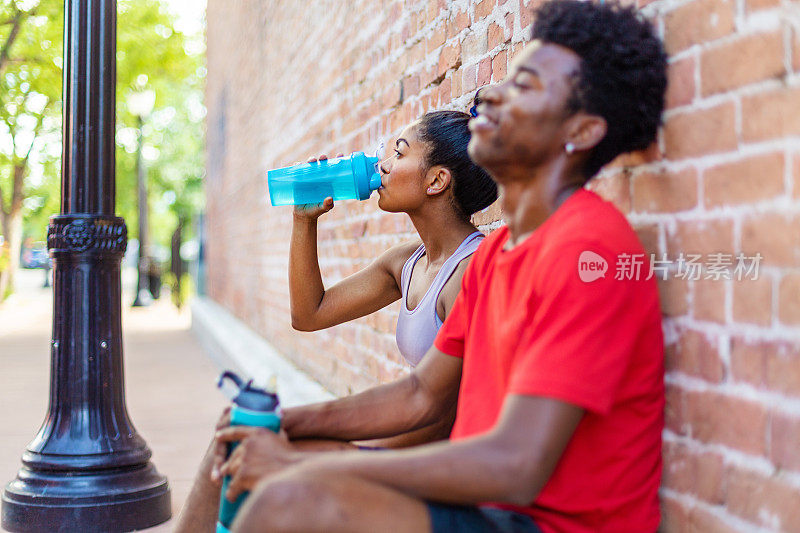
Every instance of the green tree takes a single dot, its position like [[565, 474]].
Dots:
[[151, 53], [30, 90]]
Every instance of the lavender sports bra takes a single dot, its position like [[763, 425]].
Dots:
[[417, 328]]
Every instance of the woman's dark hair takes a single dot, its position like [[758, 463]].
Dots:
[[622, 76], [447, 135]]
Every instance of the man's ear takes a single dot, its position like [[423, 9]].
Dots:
[[586, 131], [438, 179]]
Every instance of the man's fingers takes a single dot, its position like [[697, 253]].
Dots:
[[225, 419], [234, 488], [237, 433]]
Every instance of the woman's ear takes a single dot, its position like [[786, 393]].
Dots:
[[438, 179], [586, 131]]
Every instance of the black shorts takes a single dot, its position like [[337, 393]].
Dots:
[[470, 519]]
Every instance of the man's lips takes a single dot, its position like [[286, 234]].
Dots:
[[482, 122]]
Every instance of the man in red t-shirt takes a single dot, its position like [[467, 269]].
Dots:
[[553, 349]]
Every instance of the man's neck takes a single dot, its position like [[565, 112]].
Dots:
[[528, 203]]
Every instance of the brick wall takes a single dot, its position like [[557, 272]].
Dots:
[[287, 81]]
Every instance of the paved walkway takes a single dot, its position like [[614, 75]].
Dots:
[[169, 382]]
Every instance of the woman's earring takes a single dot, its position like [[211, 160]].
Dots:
[[569, 148]]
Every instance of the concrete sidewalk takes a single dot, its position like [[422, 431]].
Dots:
[[169, 381], [169, 378]]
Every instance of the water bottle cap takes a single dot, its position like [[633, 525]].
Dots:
[[250, 396], [365, 173]]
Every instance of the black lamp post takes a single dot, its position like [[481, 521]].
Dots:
[[87, 469], [140, 104]]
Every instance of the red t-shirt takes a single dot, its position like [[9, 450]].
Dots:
[[533, 321]]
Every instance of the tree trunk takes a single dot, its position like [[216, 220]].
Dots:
[[12, 229], [176, 263]]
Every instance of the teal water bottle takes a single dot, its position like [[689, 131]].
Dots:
[[251, 407], [352, 177]]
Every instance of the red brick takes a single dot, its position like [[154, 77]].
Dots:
[[767, 501], [499, 66], [488, 215], [696, 22], [755, 5], [434, 8], [697, 355], [457, 23], [701, 132], [494, 36], [710, 479], [789, 299], [678, 472], [744, 181], [701, 237], [742, 61], [783, 368], [774, 236], [437, 38], [674, 296], [450, 58], [615, 188], [649, 236], [795, 49], [752, 301], [785, 441], [796, 176], [470, 78], [674, 515], [457, 88], [749, 361], [702, 521], [765, 115], [709, 296], [665, 192], [675, 410], [484, 72], [709, 414], [525, 14], [445, 89], [681, 88], [484, 8]]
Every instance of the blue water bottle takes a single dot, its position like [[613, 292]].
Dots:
[[352, 177], [251, 407]]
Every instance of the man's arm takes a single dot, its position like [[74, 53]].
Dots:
[[511, 463], [421, 398]]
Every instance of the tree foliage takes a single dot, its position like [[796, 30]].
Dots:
[[151, 53]]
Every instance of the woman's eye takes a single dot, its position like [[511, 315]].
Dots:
[[397, 153]]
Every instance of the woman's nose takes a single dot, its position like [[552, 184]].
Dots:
[[385, 166]]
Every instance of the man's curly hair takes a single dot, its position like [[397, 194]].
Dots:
[[622, 75]]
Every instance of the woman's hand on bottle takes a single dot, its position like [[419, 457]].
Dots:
[[314, 211]]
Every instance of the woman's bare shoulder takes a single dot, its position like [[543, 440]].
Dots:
[[395, 257]]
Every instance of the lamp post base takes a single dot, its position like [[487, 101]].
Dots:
[[117, 500]]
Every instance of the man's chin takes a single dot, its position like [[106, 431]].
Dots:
[[483, 155]]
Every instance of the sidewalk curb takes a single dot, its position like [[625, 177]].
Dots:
[[233, 345]]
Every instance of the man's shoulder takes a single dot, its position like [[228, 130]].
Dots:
[[591, 220]]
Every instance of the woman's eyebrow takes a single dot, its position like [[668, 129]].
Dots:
[[397, 142]]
